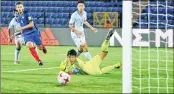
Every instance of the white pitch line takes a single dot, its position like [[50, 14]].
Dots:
[[31, 69]]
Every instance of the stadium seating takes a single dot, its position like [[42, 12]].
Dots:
[[57, 13], [165, 17]]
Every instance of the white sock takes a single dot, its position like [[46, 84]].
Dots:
[[17, 54], [87, 55], [78, 52]]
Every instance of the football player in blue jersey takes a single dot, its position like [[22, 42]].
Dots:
[[30, 32]]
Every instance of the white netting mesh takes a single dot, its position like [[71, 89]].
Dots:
[[153, 65]]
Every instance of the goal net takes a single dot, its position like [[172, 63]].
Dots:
[[152, 47]]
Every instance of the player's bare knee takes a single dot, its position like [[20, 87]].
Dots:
[[29, 44], [83, 44]]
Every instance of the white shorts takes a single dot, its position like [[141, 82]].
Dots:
[[19, 39], [78, 40]]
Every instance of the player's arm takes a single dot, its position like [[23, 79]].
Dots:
[[9, 31], [71, 22], [63, 68], [74, 29], [30, 25], [9, 36], [88, 25]]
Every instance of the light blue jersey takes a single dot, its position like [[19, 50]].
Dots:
[[78, 20], [13, 25]]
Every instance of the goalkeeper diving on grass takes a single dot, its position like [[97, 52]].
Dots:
[[73, 65]]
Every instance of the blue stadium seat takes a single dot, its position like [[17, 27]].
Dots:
[[39, 9], [40, 21], [60, 3], [28, 9], [90, 21], [50, 9], [3, 20], [33, 9], [44, 3], [163, 3], [161, 26], [103, 9], [39, 15], [161, 17], [54, 4], [153, 10], [170, 27], [87, 9], [39, 3], [40, 25], [65, 15], [49, 3], [11, 14], [170, 17], [56, 21], [89, 15], [49, 21], [170, 10], [55, 9], [73, 9], [44, 9], [98, 9], [28, 3], [8, 3], [48, 15], [3, 3], [8, 9], [4, 14], [74, 4], [33, 3], [54, 15]]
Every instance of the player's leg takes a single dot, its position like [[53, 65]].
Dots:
[[33, 52], [105, 44], [85, 48], [17, 51], [79, 51], [78, 44], [36, 48], [42, 47], [109, 68], [30, 43]]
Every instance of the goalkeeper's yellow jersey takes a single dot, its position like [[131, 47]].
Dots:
[[89, 67], [83, 67]]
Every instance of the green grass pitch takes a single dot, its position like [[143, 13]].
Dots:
[[29, 77]]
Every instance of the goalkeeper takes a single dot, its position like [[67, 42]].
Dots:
[[73, 65]]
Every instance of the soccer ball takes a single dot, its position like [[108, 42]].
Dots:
[[63, 78]]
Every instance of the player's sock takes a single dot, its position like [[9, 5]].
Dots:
[[34, 54], [105, 45], [87, 55], [36, 49], [17, 51], [107, 69], [79, 52]]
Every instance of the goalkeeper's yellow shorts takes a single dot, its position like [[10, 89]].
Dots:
[[93, 68]]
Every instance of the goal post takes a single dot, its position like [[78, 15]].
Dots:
[[147, 52], [127, 47]]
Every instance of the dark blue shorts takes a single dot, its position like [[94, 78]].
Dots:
[[35, 38]]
